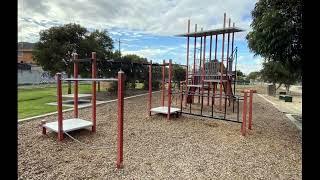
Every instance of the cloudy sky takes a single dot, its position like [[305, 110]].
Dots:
[[145, 27]]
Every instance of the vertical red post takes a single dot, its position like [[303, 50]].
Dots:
[[244, 114], [150, 88], [230, 65], [214, 92], [75, 88], [94, 91], [44, 130], [120, 118], [227, 77], [203, 74], [187, 71], [194, 55], [210, 68], [215, 48], [59, 100], [169, 88], [250, 109], [163, 82], [221, 64]]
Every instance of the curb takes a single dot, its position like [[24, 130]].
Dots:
[[289, 116]]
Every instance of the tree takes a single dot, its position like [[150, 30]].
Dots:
[[240, 74], [179, 73], [277, 32], [253, 75], [54, 50], [277, 72]]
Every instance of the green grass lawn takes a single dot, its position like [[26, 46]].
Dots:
[[32, 102]]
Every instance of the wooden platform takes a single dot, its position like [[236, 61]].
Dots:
[[69, 125], [164, 110]]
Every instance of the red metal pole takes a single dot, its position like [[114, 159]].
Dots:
[[203, 66], [228, 89], [194, 55], [214, 92], [187, 71], [120, 118], [250, 109], [221, 64], [215, 50], [59, 100], [210, 69], [244, 114], [163, 83], [230, 65], [200, 66], [150, 88], [169, 88], [44, 130], [94, 93], [75, 88]]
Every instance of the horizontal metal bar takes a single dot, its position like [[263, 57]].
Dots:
[[212, 117], [89, 79]]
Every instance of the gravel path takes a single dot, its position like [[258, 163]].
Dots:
[[154, 148]]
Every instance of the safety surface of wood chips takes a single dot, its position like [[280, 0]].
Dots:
[[183, 148]]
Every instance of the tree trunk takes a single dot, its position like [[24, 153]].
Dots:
[[98, 86], [278, 86], [287, 88]]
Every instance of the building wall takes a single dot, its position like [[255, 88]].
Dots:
[[25, 56]]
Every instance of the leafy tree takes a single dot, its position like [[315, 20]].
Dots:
[[179, 74], [253, 75], [240, 74], [54, 50], [277, 72], [277, 32]]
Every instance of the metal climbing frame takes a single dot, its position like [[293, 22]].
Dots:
[[205, 74], [66, 125], [168, 110]]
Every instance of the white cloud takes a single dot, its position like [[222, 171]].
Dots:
[[155, 17]]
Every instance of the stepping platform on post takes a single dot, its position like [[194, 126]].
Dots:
[[164, 110], [68, 125], [79, 95]]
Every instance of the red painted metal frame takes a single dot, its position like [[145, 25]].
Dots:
[[244, 114], [75, 89], [187, 71], [150, 88], [94, 90], [250, 110], [169, 88], [120, 119], [59, 100], [163, 83], [221, 64]]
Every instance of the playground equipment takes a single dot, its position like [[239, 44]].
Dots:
[[62, 126], [168, 110], [205, 74]]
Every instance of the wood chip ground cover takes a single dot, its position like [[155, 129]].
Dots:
[[184, 148]]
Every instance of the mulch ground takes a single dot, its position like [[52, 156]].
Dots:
[[184, 148]]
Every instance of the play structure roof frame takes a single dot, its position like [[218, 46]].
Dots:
[[212, 32]]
